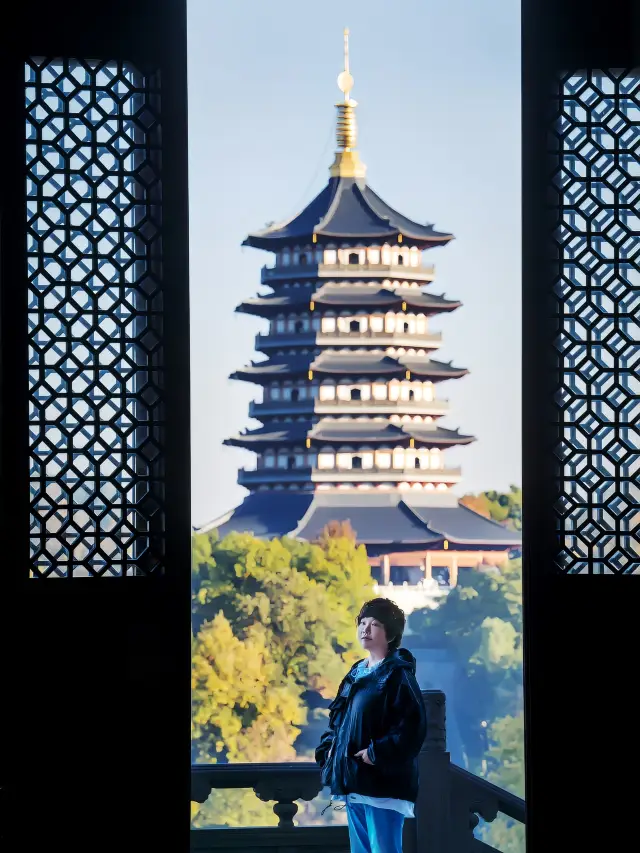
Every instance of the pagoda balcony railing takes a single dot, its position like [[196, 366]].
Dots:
[[413, 339], [368, 338], [394, 407], [386, 475], [266, 476], [282, 407], [360, 407], [403, 272], [451, 801]]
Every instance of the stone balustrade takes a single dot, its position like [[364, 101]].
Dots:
[[450, 803]]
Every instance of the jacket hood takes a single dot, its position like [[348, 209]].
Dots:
[[404, 658], [401, 658]]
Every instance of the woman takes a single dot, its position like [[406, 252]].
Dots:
[[368, 755]]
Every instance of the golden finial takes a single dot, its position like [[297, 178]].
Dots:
[[347, 163]]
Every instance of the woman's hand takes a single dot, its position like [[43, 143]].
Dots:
[[363, 756]]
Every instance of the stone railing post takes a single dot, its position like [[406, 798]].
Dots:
[[432, 807]]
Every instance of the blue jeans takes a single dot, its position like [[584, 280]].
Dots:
[[374, 830]]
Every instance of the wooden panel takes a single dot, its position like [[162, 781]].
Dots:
[[97, 701]]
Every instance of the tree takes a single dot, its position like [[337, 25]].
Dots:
[[337, 530], [274, 625], [480, 622], [340, 566], [243, 709], [506, 757], [505, 508]]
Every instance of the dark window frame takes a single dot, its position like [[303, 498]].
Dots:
[[579, 633]]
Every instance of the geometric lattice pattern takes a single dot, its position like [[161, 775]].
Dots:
[[95, 319], [597, 297]]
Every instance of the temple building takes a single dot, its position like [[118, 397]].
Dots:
[[349, 386]]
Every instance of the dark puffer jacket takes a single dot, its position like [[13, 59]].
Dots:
[[383, 712]]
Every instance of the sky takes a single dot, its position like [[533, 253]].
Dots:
[[438, 92]]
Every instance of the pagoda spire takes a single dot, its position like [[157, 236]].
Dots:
[[347, 163]]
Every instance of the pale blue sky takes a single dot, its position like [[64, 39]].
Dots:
[[438, 88]]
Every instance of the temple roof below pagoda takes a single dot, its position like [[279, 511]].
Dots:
[[379, 518], [347, 209], [348, 363], [348, 431], [263, 516], [403, 521], [340, 295]]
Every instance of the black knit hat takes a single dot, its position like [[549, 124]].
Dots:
[[389, 615]]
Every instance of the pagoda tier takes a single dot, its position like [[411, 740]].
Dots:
[[349, 212], [363, 264], [334, 451], [341, 296], [339, 364], [332, 431]]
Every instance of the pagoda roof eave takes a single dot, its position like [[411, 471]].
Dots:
[[377, 519], [407, 521], [327, 431], [347, 209], [457, 526], [382, 297], [349, 364], [275, 244], [375, 301]]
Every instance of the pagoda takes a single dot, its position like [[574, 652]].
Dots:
[[349, 404]]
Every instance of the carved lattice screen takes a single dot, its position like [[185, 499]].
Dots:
[[597, 237], [93, 189]]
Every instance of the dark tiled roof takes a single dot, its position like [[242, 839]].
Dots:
[[289, 433], [363, 296], [464, 526], [381, 297], [274, 302], [373, 524], [383, 432], [347, 208], [422, 366], [275, 367], [403, 523], [357, 363], [265, 514], [378, 519], [437, 436], [353, 363], [346, 431]]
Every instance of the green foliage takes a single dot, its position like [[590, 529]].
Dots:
[[274, 631], [506, 751], [506, 757], [240, 807], [480, 595], [305, 595], [232, 807], [503, 508], [243, 708], [498, 648], [480, 622]]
